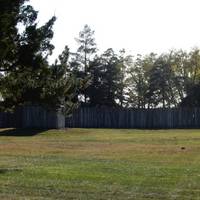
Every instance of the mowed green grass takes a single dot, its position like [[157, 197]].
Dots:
[[100, 164]]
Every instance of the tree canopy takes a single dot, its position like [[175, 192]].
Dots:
[[26, 76], [86, 77]]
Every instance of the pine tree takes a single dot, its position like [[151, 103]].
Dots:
[[80, 64], [27, 77]]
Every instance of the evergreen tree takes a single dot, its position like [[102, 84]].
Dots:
[[105, 88], [80, 64], [27, 77], [11, 14], [87, 47]]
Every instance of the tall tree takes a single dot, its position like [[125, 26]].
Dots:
[[161, 82], [81, 60], [27, 77], [87, 47], [24, 75], [63, 86], [179, 62], [105, 88], [137, 83], [12, 13], [192, 94], [123, 65]]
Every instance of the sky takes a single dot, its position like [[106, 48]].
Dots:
[[139, 26]]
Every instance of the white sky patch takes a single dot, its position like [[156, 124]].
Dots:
[[139, 26]]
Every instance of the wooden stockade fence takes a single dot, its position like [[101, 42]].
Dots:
[[102, 117], [134, 118], [32, 117]]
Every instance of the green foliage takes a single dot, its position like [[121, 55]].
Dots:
[[27, 77], [138, 83], [83, 77], [193, 97], [80, 60], [160, 83], [107, 87], [87, 47], [148, 81], [164, 80], [9, 18]]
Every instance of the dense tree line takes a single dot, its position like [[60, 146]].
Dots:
[[150, 81], [86, 76]]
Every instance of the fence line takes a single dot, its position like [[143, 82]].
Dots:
[[32, 117], [134, 118], [37, 117]]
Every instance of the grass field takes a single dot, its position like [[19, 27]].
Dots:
[[100, 164]]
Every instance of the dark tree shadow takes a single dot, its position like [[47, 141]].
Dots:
[[9, 170], [21, 132]]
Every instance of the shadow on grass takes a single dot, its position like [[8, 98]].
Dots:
[[9, 170], [21, 132]]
